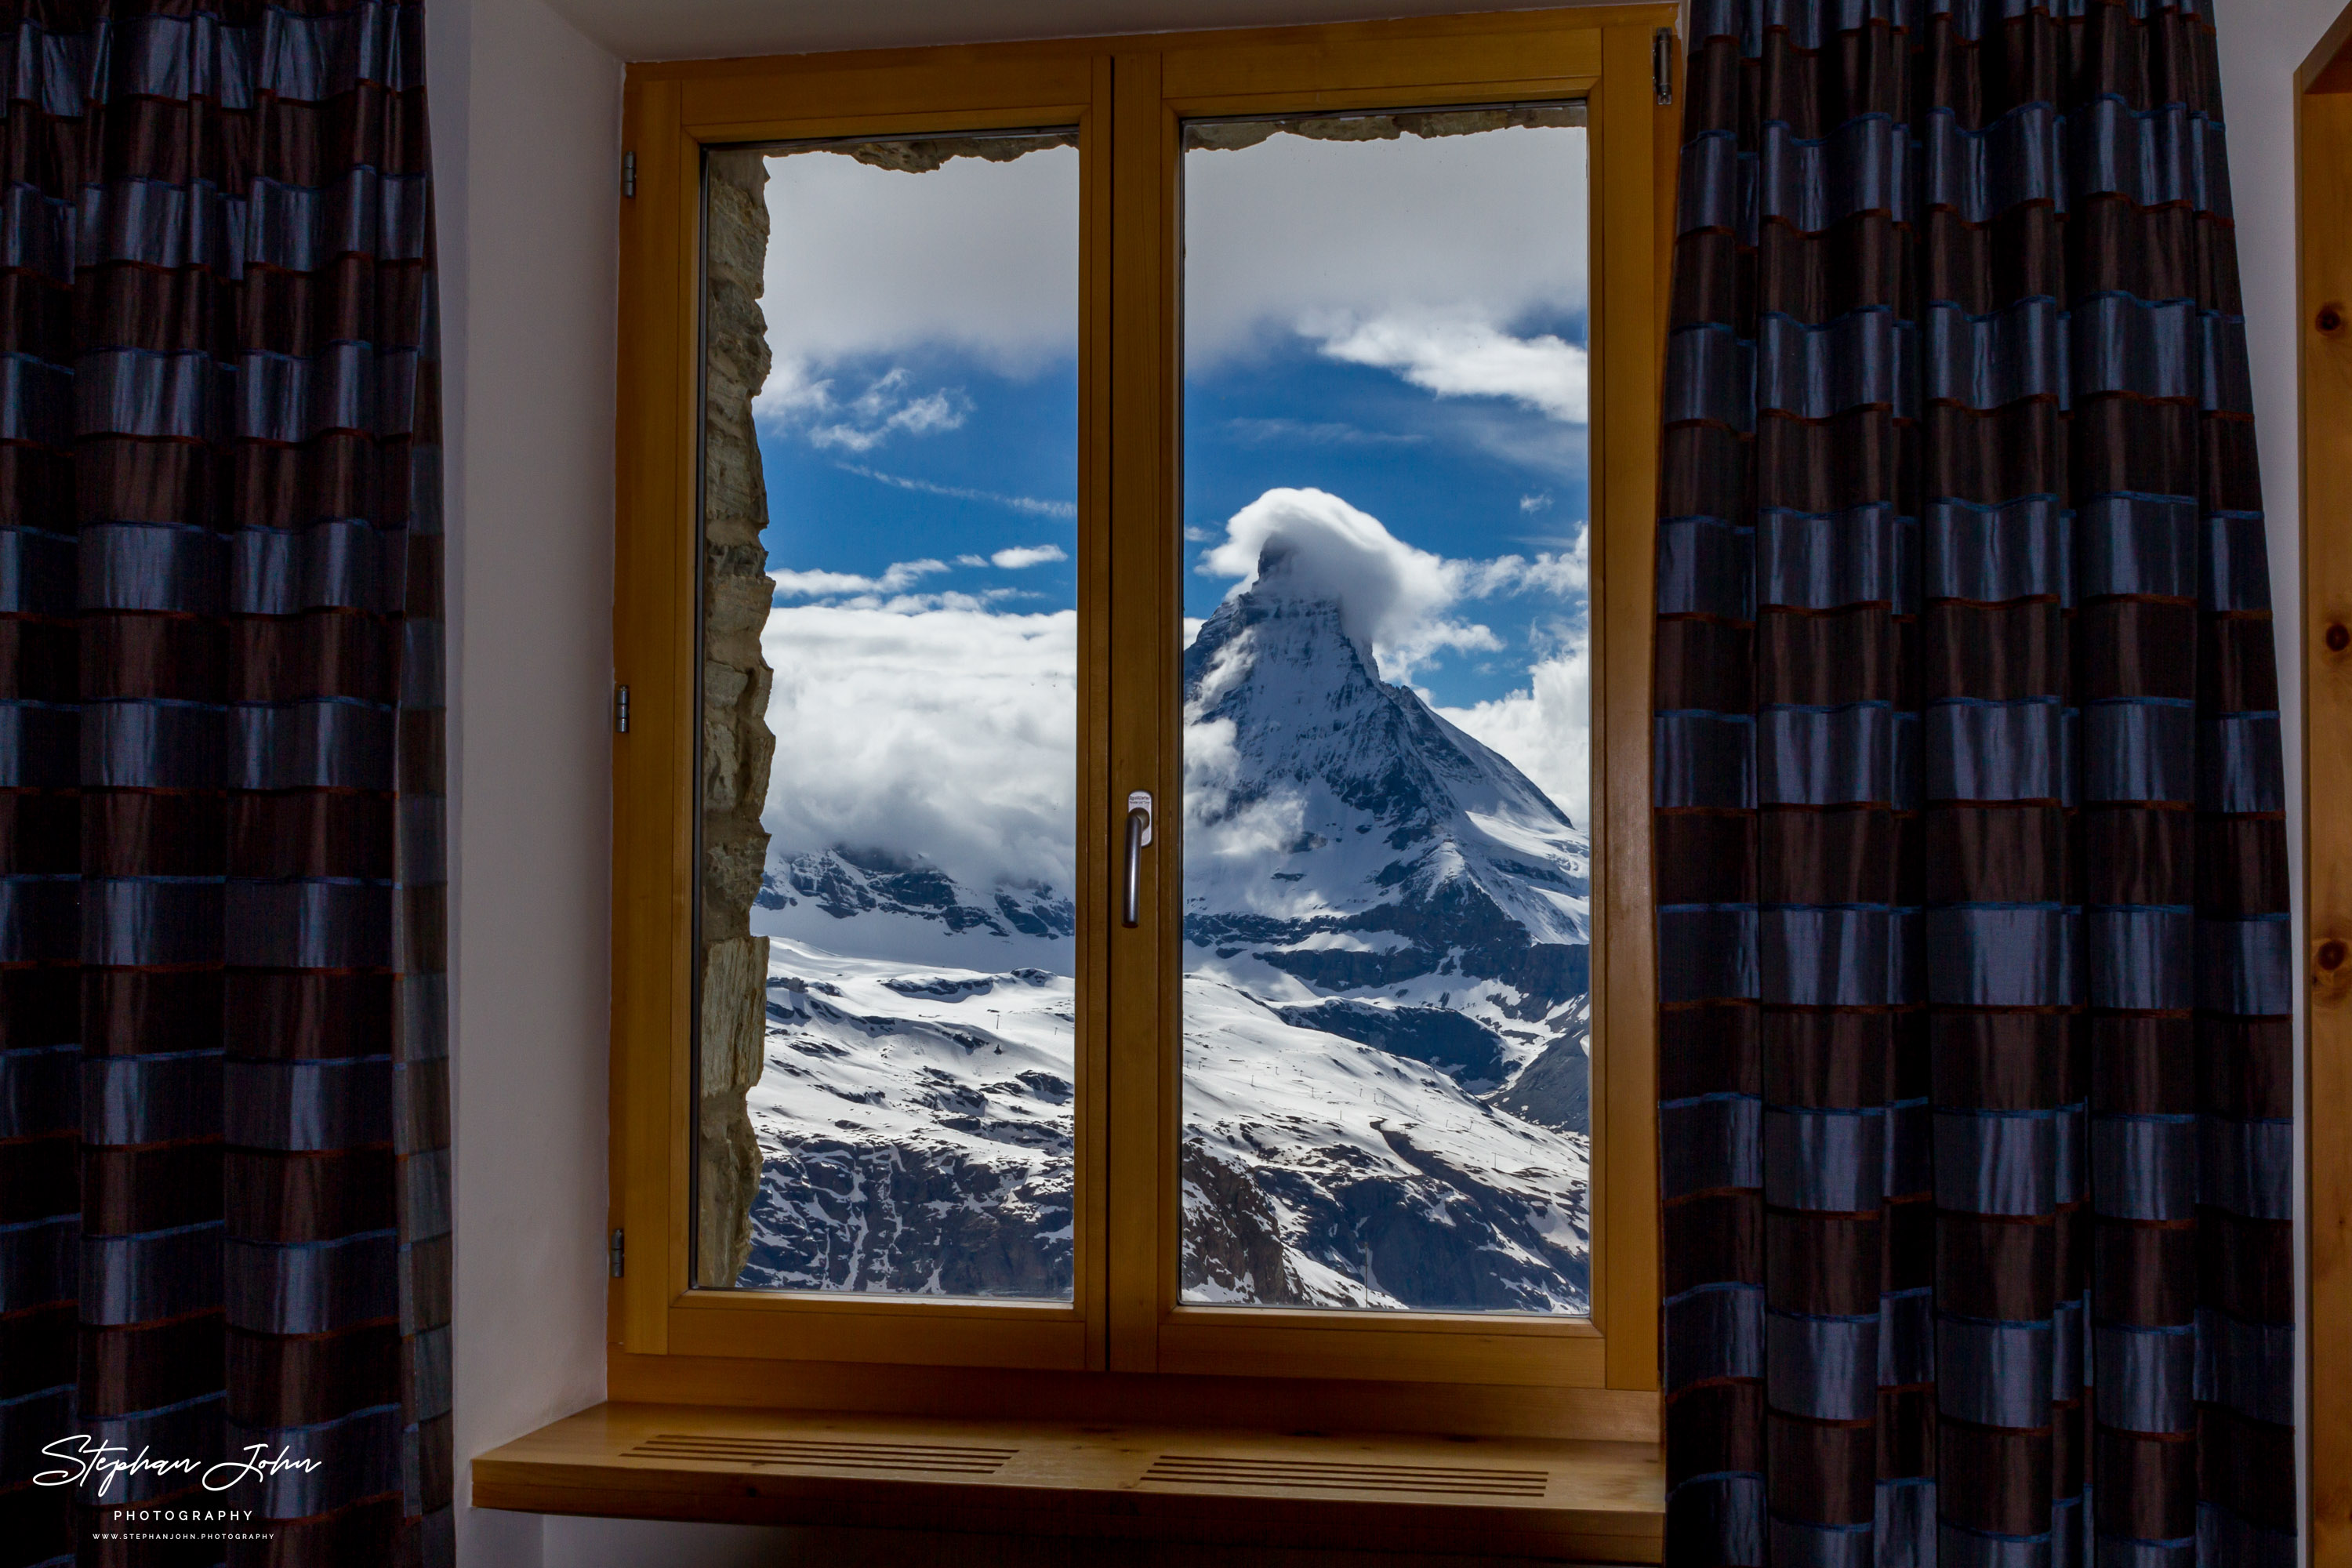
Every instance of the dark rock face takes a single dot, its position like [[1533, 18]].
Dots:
[[736, 745], [1555, 1089], [1456, 1044], [837, 1214], [941, 988], [1234, 1249]]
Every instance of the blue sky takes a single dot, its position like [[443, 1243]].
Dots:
[[1003, 476], [1400, 325], [1460, 477]]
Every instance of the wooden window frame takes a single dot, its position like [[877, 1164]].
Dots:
[[2322, 111], [1128, 98]]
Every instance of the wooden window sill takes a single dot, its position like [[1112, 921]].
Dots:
[[1590, 1501]]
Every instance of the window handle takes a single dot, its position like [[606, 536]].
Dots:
[[1138, 834]]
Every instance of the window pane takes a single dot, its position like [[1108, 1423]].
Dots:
[[889, 703], [1385, 673]]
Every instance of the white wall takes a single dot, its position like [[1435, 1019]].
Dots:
[[712, 30], [525, 123]]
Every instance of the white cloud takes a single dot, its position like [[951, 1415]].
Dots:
[[981, 257], [1546, 729], [1565, 573], [899, 576], [1462, 358], [918, 416], [928, 725], [918, 604], [1489, 228], [950, 733], [794, 396], [1299, 432], [1225, 842], [1030, 504], [1014, 559], [1394, 597], [1539, 501], [791, 390], [984, 258]]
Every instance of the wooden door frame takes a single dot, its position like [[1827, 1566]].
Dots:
[[2322, 111]]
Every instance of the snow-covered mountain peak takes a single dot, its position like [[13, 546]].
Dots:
[[1288, 575], [1313, 791]]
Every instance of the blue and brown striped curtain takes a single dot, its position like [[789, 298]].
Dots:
[[223, 1165], [1976, 1051]]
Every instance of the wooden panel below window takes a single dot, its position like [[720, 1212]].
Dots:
[[1601, 1502]]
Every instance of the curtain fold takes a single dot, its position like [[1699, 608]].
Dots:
[[1976, 980], [224, 1131]]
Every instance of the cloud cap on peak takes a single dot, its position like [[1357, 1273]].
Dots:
[[1310, 544]]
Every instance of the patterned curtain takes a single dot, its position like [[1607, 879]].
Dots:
[[223, 1165], [1977, 1060]]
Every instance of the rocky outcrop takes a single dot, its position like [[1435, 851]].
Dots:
[[1555, 1089], [731, 1056], [921, 155], [1231, 135], [737, 745], [1232, 1247]]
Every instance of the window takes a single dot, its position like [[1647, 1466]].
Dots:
[[1132, 847], [1387, 917], [889, 953]]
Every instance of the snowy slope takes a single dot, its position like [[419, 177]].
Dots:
[[1325, 1172], [915, 1129]]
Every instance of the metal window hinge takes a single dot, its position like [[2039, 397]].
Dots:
[[628, 173], [1662, 63], [620, 1253], [620, 710]]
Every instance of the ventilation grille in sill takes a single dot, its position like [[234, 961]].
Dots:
[[1341, 1475], [824, 1453]]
